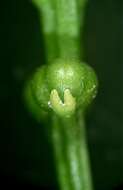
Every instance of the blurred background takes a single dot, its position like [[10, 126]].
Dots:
[[26, 158]]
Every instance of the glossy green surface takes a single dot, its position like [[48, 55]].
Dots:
[[78, 77], [60, 75]]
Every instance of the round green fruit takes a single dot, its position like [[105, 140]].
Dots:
[[64, 85]]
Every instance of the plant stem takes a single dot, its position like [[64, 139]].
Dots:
[[62, 20], [47, 14], [70, 149], [68, 30]]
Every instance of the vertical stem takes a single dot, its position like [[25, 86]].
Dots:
[[81, 11], [61, 20], [68, 29], [61, 160], [84, 154], [71, 154], [47, 14]]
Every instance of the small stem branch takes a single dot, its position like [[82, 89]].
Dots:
[[84, 154], [71, 154]]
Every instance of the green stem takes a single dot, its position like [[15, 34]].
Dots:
[[61, 22], [68, 28], [47, 14], [84, 155], [71, 154]]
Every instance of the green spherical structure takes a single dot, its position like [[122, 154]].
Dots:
[[75, 79], [65, 74], [78, 77]]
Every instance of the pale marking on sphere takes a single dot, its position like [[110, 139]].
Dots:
[[66, 108], [49, 104]]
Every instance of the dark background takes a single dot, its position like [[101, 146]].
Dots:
[[25, 153]]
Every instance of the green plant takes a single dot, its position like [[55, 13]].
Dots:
[[62, 89]]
